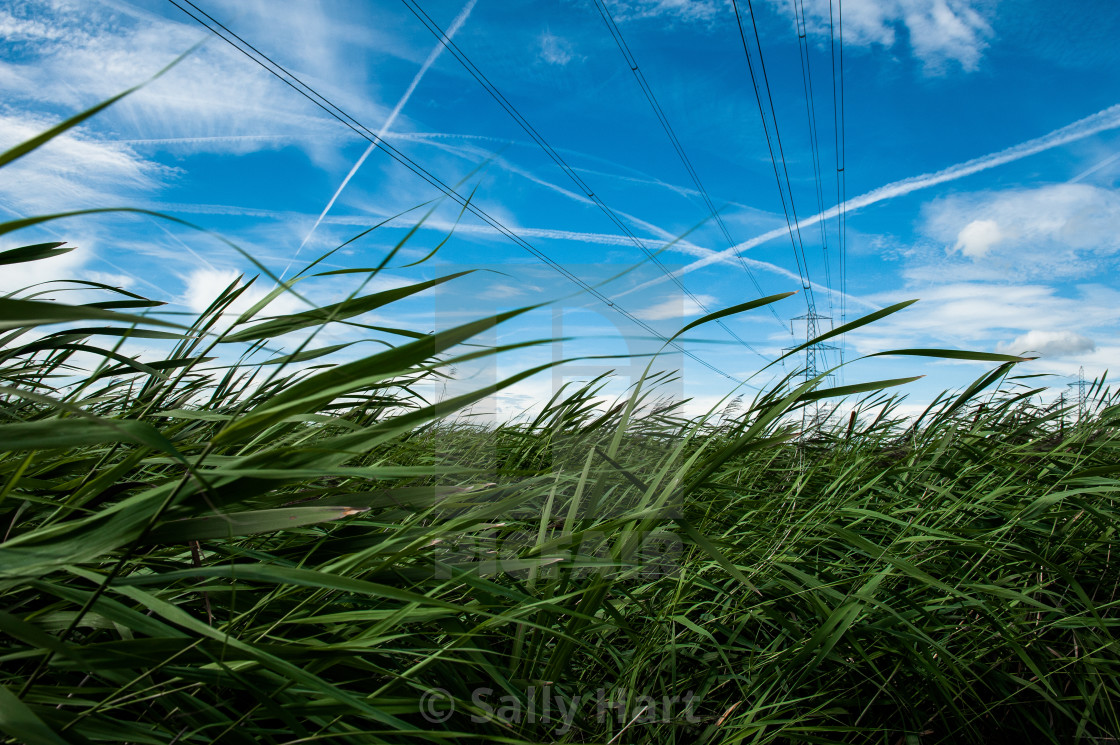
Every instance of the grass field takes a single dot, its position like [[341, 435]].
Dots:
[[232, 545]]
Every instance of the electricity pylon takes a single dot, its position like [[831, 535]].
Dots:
[[1080, 385], [811, 415]]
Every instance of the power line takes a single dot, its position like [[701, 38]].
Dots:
[[536, 136], [647, 90], [811, 329], [812, 318], [296, 84], [796, 242], [841, 155], [801, 23], [1079, 384]]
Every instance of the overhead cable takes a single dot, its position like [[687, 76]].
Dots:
[[298, 85], [647, 90], [536, 136]]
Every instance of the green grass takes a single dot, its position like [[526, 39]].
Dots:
[[285, 550]]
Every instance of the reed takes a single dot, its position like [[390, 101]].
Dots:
[[231, 544]]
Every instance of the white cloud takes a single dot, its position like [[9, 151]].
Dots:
[[675, 306], [504, 291], [939, 31], [80, 53], [1058, 230], [944, 30], [72, 171], [203, 286], [17, 29], [1049, 344], [72, 265], [554, 49], [978, 237], [983, 315], [692, 11]]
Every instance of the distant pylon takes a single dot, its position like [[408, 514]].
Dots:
[[1080, 385], [811, 415], [1062, 414]]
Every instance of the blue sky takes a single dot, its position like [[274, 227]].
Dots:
[[981, 143]]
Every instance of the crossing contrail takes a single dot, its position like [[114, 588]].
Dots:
[[1102, 121], [436, 51]]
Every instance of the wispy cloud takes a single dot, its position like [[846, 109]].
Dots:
[[76, 54], [688, 11], [505, 291], [555, 50], [72, 170], [74, 264], [938, 31], [1057, 230], [1012, 317], [674, 307], [1066, 328]]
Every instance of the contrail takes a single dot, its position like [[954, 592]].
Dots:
[[1102, 121], [439, 47], [1093, 169]]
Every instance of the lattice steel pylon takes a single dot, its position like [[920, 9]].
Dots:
[[1079, 384], [811, 415]]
